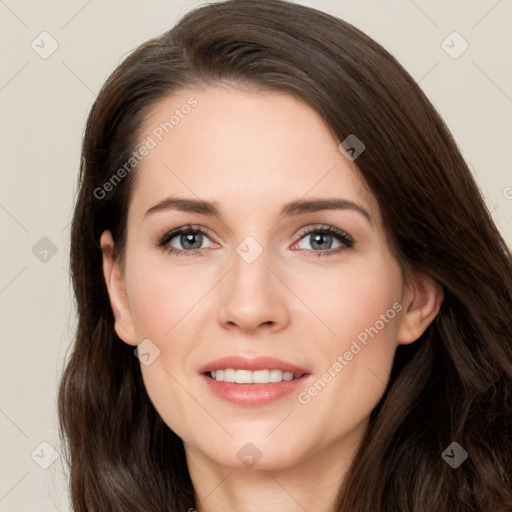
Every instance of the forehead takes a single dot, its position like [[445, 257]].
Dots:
[[244, 149]]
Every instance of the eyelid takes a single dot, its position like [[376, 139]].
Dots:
[[324, 227]]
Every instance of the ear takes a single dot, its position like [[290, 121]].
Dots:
[[421, 302], [114, 280]]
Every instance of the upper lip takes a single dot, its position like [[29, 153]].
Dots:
[[245, 363]]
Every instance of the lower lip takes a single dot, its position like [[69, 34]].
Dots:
[[253, 395]]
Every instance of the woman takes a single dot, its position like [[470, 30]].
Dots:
[[336, 337]]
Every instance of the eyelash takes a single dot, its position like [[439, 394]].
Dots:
[[344, 238]]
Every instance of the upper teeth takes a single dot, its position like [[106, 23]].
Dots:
[[250, 377]]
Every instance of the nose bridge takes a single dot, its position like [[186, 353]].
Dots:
[[251, 275]]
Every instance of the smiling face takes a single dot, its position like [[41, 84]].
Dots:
[[284, 257]]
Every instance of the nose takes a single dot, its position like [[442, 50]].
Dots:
[[253, 296]]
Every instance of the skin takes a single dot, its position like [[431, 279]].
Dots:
[[252, 152]]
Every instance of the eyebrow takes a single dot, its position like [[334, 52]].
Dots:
[[297, 207]]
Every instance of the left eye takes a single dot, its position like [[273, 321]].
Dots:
[[320, 241]]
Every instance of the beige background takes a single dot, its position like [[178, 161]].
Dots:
[[44, 104]]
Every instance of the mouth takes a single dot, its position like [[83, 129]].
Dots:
[[252, 382]]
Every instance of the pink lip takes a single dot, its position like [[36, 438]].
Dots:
[[252, 395], [258, 363]]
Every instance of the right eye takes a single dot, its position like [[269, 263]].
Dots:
[[191, 240]]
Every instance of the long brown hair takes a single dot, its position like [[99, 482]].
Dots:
[[454, 384]]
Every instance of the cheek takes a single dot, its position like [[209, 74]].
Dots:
[[367, 297], [354, 299], [354, 364], [162, 303], [163, 295], [361, 307]]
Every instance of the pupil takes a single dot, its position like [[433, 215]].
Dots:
[[323, 246]]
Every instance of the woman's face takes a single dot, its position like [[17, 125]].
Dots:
[[284, 271]]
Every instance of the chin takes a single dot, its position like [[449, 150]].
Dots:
[[257, 453]]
